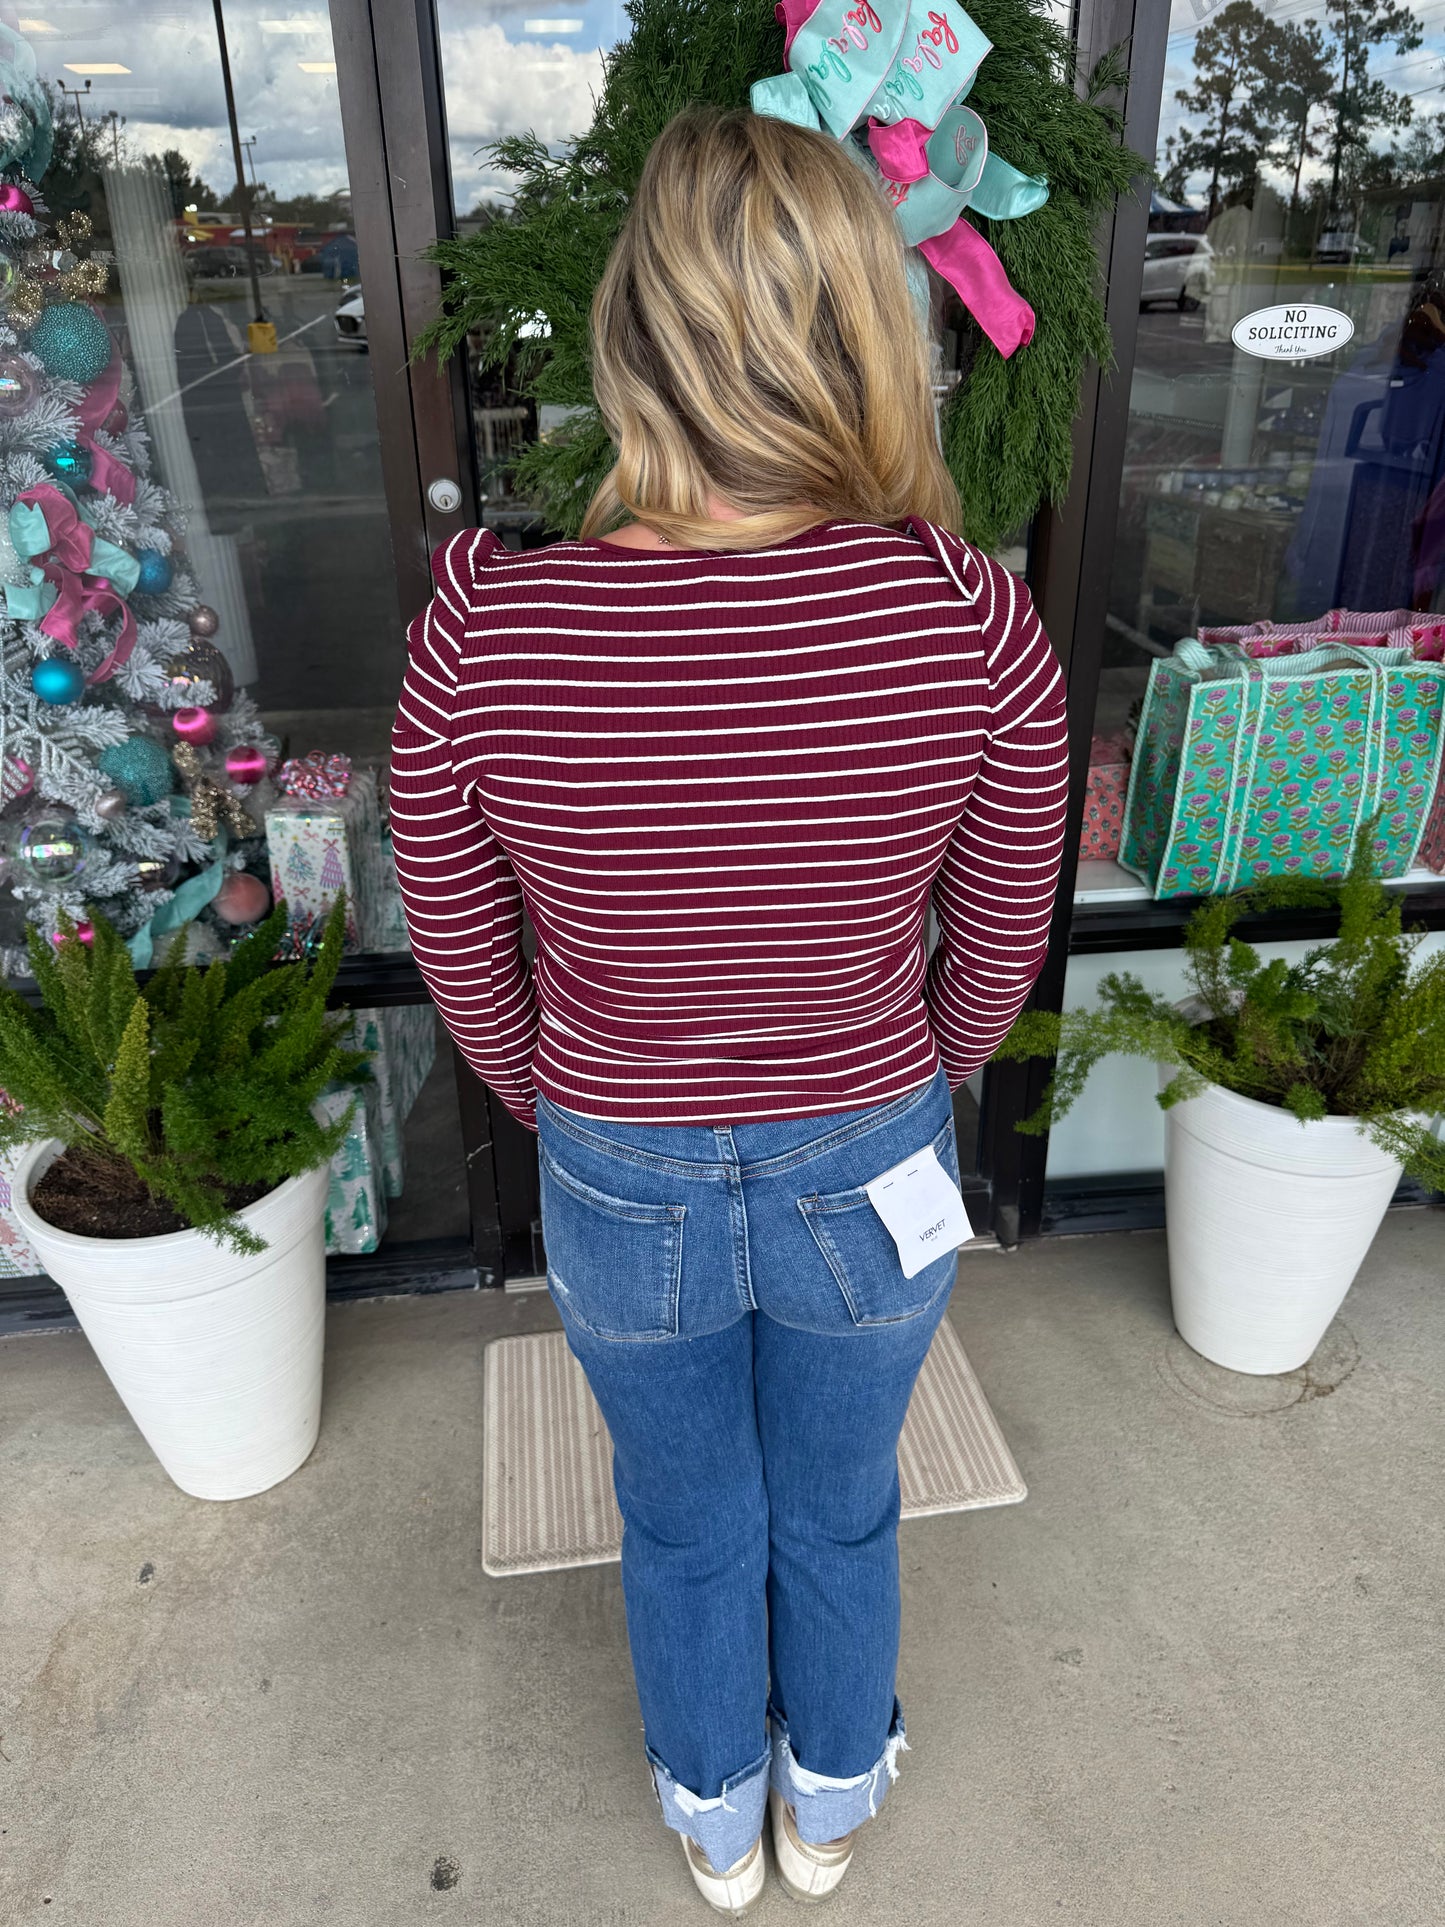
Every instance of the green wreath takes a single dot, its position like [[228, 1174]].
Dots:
[[1006, 429]]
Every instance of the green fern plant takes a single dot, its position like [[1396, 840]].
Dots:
[[201, 1082], [1355, 1028]]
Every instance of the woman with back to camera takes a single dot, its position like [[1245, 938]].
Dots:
[[724, 747]]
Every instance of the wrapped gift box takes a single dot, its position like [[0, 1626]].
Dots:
[[402, 1043], [17, 1259], [1104, 797], [319, 845], [390, 931], [356, 1199]]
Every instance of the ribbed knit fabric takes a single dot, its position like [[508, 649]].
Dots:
[[725, 785]]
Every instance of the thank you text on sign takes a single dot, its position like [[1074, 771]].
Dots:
[[1294, 332]]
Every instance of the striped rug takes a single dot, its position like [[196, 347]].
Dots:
[[547, 1474]]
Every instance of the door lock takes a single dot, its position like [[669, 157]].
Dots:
[[444, 495]]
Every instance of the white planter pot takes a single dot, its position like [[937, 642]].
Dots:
[[1268, 1222], [216, 1356]]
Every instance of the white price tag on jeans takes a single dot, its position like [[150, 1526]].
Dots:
[[921, 1206]]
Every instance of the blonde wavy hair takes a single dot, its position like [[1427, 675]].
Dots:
[[754, 338]]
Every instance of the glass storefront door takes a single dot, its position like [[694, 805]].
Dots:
[[509, 72], [1285, 445], [241, 465]]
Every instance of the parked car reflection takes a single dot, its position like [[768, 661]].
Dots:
[[350, 320], [1177, 268]]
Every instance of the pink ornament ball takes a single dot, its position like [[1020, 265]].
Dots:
[[245, 764], [14, 200], [17, 779], [85, 933], [197, 726], [242, 898]]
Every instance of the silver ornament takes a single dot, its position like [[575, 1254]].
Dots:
[[49, 846], [111, 803], [201, 661], [203, 621], [157, 872]]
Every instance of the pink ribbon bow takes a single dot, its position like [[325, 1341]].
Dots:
[[316, 775], [107, 475], [961, 255], [974, 271], [66, 564], [899, 149]]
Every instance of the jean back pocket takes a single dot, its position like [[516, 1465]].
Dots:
[[863, 1258], [613, 1266]]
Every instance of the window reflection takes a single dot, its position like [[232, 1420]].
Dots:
[[1302, 162], [273, 462], [513, 69]]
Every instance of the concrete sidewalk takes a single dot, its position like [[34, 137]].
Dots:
[[1195, 1678]]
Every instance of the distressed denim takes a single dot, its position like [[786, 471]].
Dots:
[[744, 1322]]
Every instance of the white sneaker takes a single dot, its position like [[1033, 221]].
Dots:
[[735, 1892], [807, 1872]]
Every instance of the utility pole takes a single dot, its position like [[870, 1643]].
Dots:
[[117, 121], [77, 94], [261, 335], [250, 146]]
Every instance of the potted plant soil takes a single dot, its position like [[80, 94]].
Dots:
[[176, 1184], [1296, 1093]]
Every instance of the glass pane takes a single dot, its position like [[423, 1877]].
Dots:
[[1286, 428], [508, 72], [244, 607]]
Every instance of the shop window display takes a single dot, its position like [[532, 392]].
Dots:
[[1284, 471], [200, 635], [1302, 156]]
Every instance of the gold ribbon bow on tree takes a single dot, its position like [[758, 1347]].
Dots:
[[59, 273], [211, 802]]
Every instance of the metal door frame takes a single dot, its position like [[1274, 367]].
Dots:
[[388, 61], [393, 114]]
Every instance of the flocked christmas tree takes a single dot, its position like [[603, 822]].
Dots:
[[126, 753]]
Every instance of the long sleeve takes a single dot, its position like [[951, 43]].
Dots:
[[994, 893], [463, 903]]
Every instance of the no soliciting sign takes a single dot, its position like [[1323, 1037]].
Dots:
[[1293, 333]]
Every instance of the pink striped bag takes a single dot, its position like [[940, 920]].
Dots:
[[1423, 635]]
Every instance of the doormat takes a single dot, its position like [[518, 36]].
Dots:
[[547, 1499]]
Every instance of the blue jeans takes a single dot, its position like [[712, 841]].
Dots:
[[745, 1325]]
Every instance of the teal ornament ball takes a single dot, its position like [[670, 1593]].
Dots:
[[155, 572], [57, 680], [70, 461], [72, 342], [139, 767]]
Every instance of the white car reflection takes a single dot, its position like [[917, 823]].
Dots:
[[1177, 268], [350, 320]]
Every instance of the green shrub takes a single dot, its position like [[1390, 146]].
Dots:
[[201, 1082], [1355, 1029]]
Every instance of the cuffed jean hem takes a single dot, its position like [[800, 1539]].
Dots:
[[827, 1809], [726, 1827]]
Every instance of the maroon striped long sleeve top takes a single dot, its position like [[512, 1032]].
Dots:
[[724, 786]]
